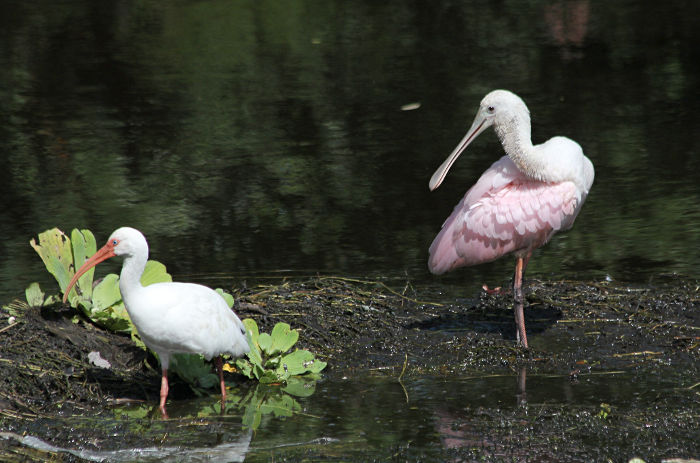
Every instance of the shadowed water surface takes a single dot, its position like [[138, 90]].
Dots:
[[493, 417], [247, 138]]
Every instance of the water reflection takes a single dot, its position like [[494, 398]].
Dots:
[[368, 417], [274, 139], [457, 431], [567, 23]]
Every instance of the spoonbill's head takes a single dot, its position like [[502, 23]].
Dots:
[[500, 108], [125, 241]]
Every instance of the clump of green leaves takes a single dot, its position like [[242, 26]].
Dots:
[[101, 302], [269, 361], [605, 410]]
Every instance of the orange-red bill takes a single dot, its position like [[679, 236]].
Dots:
[[104, 253]]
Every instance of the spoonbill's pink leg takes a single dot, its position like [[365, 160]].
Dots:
[[520, 265]]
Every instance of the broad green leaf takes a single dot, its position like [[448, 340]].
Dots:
[[245, 367], [252, 335], [106, 293], [193, 370], [84, 305], [112, 321], [272, 362], [265, 343], [34, 295], [83, 246], [54, 249], [208, 380], [119, 311], [258, 371], [283, 338], [227, 297], [300, 362], [155, 273], [269, 377], [252, 328]]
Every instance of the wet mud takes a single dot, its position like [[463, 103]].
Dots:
[[368, 329]]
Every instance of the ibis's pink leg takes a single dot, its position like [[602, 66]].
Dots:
[[164, 392], [520, 265], [220, 368]]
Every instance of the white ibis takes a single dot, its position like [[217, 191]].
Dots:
[[519, 203], [170, 317]]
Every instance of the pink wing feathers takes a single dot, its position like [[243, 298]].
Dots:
[[503, 212]]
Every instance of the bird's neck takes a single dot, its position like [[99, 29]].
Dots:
[[515, 136], [130, 277]]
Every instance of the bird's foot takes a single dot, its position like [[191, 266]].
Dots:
[[496, 290]]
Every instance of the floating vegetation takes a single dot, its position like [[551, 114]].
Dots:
[[101, 302], [269, 360]]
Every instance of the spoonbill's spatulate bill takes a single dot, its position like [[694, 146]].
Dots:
[[170, 317], [518, 203]]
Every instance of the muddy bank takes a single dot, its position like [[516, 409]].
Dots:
[[365, 325], [366, 328]]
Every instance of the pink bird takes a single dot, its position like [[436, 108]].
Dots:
[[170, 317], [519, 203]]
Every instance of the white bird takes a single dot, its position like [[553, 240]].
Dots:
[[519, 203], [170, 317]]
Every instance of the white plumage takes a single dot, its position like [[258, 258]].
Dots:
[[170, 317]]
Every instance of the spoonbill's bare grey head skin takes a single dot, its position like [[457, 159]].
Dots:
[[507, 112]]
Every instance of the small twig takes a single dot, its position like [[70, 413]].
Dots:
[[405, 362], [368, 282], [633, 354], [590, 320], [8, 327]]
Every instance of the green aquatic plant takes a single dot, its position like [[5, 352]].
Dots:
[[272, 401], [256, 405], [101, 301], [605, 410], [268, 360]]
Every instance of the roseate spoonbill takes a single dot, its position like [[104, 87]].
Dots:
[[170, 317], [518, 203]]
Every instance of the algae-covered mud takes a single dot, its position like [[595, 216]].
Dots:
[[612, 373]]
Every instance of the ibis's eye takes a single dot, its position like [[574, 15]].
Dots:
[[115, 242], [490, 109]]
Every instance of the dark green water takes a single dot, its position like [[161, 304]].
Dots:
[[480, 418], [250, 139], [247, 138]]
